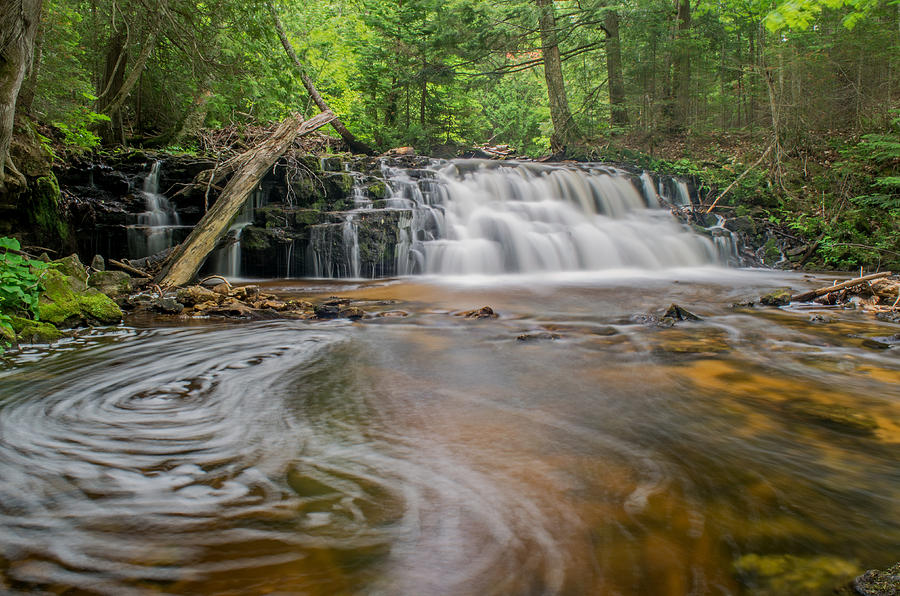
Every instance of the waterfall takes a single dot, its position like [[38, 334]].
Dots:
[[152, 231], [227, 261], [488, 217]]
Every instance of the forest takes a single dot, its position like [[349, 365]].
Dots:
[[800, 96]]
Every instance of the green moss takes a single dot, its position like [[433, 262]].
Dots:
[[60, 304], [72, 266], [307, 217], [377, 190], [28, 331], [771, 252], [779, 297], [111, 283], [44, 213]]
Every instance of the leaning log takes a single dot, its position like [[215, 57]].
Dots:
[[812, 294], [190, 254]]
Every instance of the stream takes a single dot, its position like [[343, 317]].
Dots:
[[562, 448]]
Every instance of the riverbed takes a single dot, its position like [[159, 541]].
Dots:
[[565, 447]]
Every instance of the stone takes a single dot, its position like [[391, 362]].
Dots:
[[390, 314], [223, 289], [71, 266], [111, 283], [167, 305], [337, 311], [485, 312], [882, 342], [60, 304], [779, 297], [192, 295], [879, 583], [35, 332], [819, 319], [537, 335], [98, 264], [680, 314]]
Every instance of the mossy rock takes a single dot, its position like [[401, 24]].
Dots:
[[307, 217], [111, 283], [377, 190], [789, 575], [71, 266], [6, 337], [62, 305], [779, 297], [36, 332], [42, 206]]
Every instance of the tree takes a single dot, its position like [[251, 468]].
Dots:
[[19, 21], [618, 111], [564, 130]]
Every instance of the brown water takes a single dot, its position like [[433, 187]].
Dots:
[[750, 453]]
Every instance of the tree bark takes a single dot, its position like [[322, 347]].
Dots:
[[195, 118], [618, 111], [353, 143], [113, 77], [189, 255], [19, 21], [564, 132]]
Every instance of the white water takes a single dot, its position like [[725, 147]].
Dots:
[[227, 260], [153, 232], [482, 217]]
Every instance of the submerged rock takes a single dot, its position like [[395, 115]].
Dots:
[[779, 297], [833, 416], [790, 575], [879, 583], [538, 335], [485, 312]]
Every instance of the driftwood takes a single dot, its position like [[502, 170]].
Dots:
[[807, 296], [129, 269], [190, 254]]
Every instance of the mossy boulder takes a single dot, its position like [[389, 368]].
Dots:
[[72, 266], [779, 297], [35, 332], [63, 304], [377, 190], [111, 283]]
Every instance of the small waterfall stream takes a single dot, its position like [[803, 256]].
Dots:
[[153, 230]]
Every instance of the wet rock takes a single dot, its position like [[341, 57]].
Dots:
[[538, 335], [34, 332], [63, 305], [745, 304], [336, 310], [779, 297], [111, 283], [819, 319], [167, 305], [138, 301], [680, 314], [882, 342], [789, 575], [485, 312], [890, 317], [224, 289], [98, 264], [651, 320], [193, 295], [245, 293], [389, 314], [879, 583]]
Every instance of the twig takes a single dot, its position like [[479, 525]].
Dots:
[[738, 179]]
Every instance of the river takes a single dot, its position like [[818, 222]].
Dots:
[[752, 452]]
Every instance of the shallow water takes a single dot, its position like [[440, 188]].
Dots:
[[750, 453]]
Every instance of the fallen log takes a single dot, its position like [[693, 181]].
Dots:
[[129, 269], [812, 294], [190, 254]]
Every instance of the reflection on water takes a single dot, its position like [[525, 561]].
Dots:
[[750, 453]]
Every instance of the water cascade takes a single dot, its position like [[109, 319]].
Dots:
[[153, 230], [484, 217], [227, 260]]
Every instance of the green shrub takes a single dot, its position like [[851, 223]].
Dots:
[[20, 286]]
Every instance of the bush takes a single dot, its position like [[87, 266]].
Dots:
[[20, 286]]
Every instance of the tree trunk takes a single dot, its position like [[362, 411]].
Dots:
[[618, 111], [190, 254], [113, 77], [564, 132], [128, 84], [195, 118], [29, 87], [352, 142], [19, 21], [682, 82]]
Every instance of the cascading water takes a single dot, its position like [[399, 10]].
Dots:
[[153, 230], [485, 217], [227, 260]]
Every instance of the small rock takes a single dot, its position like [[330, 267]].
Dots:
[[537, 335], [819, 319], [167, 305], [485, 312], [223, 289], [779, 297], [193, 295], [334, 311], [680, 314], [879, 583], [882, 343], [392, 314], [98, 264]]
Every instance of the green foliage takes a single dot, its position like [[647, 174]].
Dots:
[[20, 284], [78, 128]]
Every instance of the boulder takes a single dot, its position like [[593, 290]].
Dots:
[[98, 264], [34, 332], [779, 297], [62, 305], [111, 283]]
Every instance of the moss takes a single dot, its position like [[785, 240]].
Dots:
[[779, 297], [72, 266], [771, 253], [44, 213], [377, 190], [307, 217], [60, 304], [28, 331]]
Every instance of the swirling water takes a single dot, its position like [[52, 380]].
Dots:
[[431, 454]]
